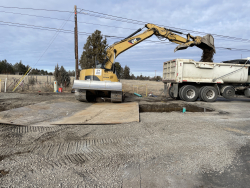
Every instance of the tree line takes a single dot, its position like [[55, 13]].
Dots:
[[94, 53], [8, 68]]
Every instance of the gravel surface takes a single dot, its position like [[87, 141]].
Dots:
[[162, 150]]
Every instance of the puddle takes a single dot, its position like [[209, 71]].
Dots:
[[172, 108]]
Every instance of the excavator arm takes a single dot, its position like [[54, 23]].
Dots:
[[117, 48]]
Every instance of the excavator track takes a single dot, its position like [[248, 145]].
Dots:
[[116, 96], [83, 96], [80, 95]]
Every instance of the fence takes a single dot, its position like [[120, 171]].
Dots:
[[32, 83], [143, 87]]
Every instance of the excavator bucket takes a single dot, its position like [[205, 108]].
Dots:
[[206, 42]]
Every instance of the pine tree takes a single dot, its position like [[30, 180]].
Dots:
[[64, 78], [56, 73], [94, 48], [20, 67], [119, 70], [126, 72], [6, 68], [61, 76]]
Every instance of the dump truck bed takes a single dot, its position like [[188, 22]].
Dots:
[[188, 70]]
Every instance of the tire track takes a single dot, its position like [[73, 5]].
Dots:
[[80, 152], [27, 129]]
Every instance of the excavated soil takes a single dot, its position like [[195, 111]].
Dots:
[[207, 54]]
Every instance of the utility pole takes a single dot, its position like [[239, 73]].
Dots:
[[155, 73], [76, 46]]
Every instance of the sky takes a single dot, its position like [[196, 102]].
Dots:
[[44, 47]]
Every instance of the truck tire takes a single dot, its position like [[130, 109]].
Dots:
[[247, 92], [209, 94], [180, 92], [228, 92], [200, 91], [190, 93]]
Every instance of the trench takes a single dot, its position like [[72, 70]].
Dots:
[[172, 108]]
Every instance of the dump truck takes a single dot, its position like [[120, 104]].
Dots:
[[189, 80], [102, 81]]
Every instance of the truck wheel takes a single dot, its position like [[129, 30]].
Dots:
[[200, 96], [228, 92], [209, 94], [180, 92], [190, 93]]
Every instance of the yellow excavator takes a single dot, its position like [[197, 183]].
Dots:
[[102, 81]]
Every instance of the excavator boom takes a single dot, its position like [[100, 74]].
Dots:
[[103, 82], [206, 42]]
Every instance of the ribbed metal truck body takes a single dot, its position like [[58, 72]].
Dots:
[[190, 80], [187, 70]]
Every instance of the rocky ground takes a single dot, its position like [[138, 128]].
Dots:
[[164, 149]]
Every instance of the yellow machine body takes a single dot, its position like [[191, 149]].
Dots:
[[103, 82], [98, 75]]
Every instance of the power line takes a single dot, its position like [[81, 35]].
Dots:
[[37, 9], [53, 38], [116, 18], [85, 33], [64, 20], [32, 15]]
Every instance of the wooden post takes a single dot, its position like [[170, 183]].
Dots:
[[76, 46]]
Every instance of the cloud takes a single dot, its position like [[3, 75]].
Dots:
[[225, 18]]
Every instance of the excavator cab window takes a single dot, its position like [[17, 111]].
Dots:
[[92, 78], [113, 68]]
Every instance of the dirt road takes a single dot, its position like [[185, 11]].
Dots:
[[174, 149]]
